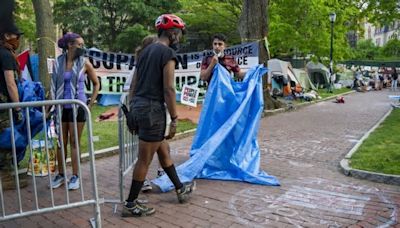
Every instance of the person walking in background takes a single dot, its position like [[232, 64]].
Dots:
[[395, 77], [377, 80], [152, 86], [68, 82]]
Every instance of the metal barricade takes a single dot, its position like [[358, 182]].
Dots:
[[41, 204], [128, 147]]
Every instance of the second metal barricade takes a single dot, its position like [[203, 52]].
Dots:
[[14, 204]]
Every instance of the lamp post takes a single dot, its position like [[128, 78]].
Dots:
[[332, 18]]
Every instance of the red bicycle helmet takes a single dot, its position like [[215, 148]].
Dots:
[[168, 21]]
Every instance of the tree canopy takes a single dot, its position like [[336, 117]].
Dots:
[[25, 19], [108, 24], [295, 28]]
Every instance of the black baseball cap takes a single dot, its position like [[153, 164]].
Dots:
[[10, 28]]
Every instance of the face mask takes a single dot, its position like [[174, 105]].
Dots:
[[79, 52], [219, 54], [14, 42]]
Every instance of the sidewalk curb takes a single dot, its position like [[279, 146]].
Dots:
[[368, 175]]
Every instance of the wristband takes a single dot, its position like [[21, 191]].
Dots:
[[174, 118]]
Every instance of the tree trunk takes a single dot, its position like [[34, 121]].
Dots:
[[45, 32], [253, 25]]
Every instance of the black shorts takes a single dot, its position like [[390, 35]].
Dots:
[[149, 119], [68, 115]]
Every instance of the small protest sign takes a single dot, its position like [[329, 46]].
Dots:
[[189, 95]]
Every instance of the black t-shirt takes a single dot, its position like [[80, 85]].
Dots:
[[150, 81], [395, 75], [7, 62]]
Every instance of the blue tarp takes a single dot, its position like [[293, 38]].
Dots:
[[28, 91], [109, 99], [225, 145], [35, 67]]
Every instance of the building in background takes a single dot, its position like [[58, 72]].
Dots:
[[380, 35]]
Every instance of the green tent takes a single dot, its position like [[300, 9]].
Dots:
[[318, 74], [304, 80]]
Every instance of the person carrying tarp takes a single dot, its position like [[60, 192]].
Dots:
[[227, 61]]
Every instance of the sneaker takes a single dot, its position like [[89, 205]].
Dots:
[[184, 192], [136, 209], [146, 186], [73, 183], [57, 181], [160, 172]]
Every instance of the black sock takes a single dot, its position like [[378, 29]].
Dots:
[[135, 189], [173, 176]]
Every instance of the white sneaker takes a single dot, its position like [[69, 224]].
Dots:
[[146, 186], [73, 183]]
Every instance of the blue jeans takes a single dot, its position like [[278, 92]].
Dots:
[[394, 84]]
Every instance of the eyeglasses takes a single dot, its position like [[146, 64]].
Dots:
[[218, 43]]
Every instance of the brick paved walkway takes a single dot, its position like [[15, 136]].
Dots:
[[302, 148]]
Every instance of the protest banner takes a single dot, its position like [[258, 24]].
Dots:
[[114, 69]]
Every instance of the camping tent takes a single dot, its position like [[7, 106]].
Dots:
[[304, 80], [281, 76], [318, 74]]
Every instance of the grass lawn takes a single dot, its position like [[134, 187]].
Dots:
[[106, 132], [321, 92], [324, 92], [380, 152]]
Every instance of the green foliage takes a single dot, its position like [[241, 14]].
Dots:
[[131, 37], [295, 29], [108, 24], [304, 28], [392, 49], [381, 11], [366, 49], [25, 19], [380, 151], [204, 18]]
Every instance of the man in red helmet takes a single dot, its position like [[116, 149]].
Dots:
[[152, 86], [227, 61]]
